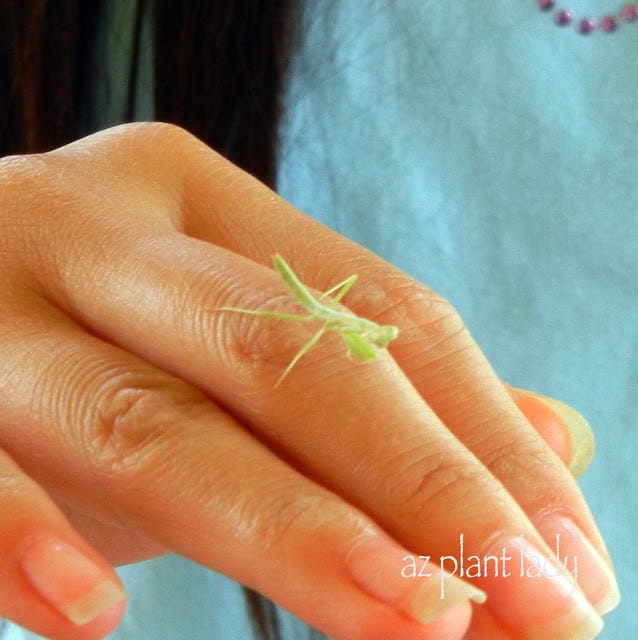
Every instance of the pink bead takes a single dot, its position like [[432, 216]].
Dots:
[[586, 26], [563, 18], [545, 5], [608, 24], [629, 12]]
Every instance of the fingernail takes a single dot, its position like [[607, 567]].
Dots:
[[534, 596], [412, 584], [572, 549], [69, 581], [581, 434]]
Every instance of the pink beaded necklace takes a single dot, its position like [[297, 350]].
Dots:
[[585, 25]]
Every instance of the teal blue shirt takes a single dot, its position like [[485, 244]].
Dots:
[[493, 156]]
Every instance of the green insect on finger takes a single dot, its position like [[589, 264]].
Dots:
[[362, 337]]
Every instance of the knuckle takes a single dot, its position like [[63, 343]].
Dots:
[[428, 320], [517, 454], [161, 134], [153, 141], [260, 347], [441, 323], [137, 423], [439, 335], [494, 437], [254, 342], [433, 482], [165, 131], [293, 514]]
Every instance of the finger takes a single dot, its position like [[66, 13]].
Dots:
[[563, 429], [129, 445], [52, 582]]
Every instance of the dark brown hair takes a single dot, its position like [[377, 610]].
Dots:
[[45, 71], [218, 70]]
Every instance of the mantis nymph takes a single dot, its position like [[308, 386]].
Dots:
[[362, 337]]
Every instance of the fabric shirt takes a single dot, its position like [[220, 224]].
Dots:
[[493, 156]]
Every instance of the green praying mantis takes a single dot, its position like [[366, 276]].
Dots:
[[362, 337]]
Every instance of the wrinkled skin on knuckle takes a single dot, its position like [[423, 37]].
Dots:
[[510, 448], [258, 348], [114, 429], [443, 334], [438, 353], [529, 457], [293, 519], [396, 295], [429, 323], [194, 308], [136, 422], [429, 483], [155, 455]]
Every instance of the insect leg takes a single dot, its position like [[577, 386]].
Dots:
[[267, 314], [342, 289], [311, 343]]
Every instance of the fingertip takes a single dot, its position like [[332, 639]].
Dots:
[[53, 582], [106, 622], [69, 580]]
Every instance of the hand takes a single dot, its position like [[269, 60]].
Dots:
[[152, 421]]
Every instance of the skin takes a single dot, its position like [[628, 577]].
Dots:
[[135, 420]]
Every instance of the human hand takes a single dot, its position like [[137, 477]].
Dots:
[[151, 421]]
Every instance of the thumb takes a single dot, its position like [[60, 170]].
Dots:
[[563, 428]]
